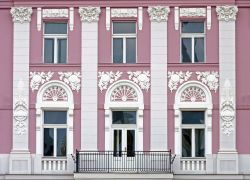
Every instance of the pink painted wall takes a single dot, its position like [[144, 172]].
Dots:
[[6, 76], [242, 84]]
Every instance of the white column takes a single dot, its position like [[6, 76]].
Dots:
[[89, 48], [227, 156], [158, 16], [20, 159]]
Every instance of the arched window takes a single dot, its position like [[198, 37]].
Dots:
[[124, 117], [54, 125], [193, 125]]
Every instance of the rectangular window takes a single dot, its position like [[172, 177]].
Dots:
[[124, 117], [192, 42], [193, 134], [55, 42], [55, 133], [124, 42]]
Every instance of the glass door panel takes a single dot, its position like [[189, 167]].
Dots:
[[117, 142], [130, 143]]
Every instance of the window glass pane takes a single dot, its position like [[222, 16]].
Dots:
[[124, 28], [48, 142], [186, 50], [186, 143], [199, 143], [48, 50], [117, 143], [130, 50], [117, 50], [192, 27], [193, 117], [124, 117], [62, 50], [130, 143], [61, 142], [199, 49], [55, 117], [55, 28]]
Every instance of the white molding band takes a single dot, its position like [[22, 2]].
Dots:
[[71, 19], [89, 58], [140, 18], [176, 18], [158, 16], [209, 17], [192, 12], [107, 18], [39, 19], [123, 12], [55, 13]]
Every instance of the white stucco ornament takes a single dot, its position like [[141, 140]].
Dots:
[[20, 111], [55, 93], [21, 14], [123, 12], [124, 93], [106, 78], [39, 78], [142, 78], [176, 78], [193, 94], [158, 13], [211, 79], [73, 79], [226, 13], [227, 112], [55, 13], [89, 14], [193, 12]]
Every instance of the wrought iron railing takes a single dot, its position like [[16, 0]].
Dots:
[[123, 162]]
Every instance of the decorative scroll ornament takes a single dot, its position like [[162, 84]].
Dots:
[[193, 94], [20, 111], [55, 13], [140, 78], [158, 13], [38, 78], [227, 112], [211, 79], [226, 13], [89, 14], [73, 79], [21, 14], [193, 12], [176, 78], [124, 93], [55, 93], [107, 78], [123, 12]]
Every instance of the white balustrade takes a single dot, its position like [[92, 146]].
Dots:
[[193, 164], [49, 165]]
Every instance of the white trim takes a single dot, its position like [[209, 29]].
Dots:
[[209, 17], [136, 106], [140, 18], [71, 19], [176, 18], [39, 19], [107, 18]]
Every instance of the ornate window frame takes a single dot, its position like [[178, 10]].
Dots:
[[205, 106], [42, 105], [124, 105]]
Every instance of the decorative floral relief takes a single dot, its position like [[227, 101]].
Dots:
[[193, 94], [211, 79], [55, 93], [123, 12], [89, 14], [73, 79], [158, 13], [140, 78], [124, 93], [176, 78], [38, 78], [226, 13], [55, 13], [21, 14], [191, 12], [107, 78], [227, 112], [20, 111]]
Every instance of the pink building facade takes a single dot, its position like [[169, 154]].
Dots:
[[88, 86]]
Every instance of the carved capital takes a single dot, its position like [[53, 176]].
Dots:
[[21, 14], [158, 13], [89, 14], [226, 13]]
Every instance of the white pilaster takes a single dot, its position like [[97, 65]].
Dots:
[[20, 159], [227, 156], [158, 16], [89, 48]]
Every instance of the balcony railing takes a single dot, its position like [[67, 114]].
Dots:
[[123, 162]]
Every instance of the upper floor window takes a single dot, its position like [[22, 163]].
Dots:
[[124, 42], [55, 42], [55, 133], [192, 42], [193, 133]]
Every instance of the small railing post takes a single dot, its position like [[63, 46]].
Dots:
[[77, 161], [170, 161]]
